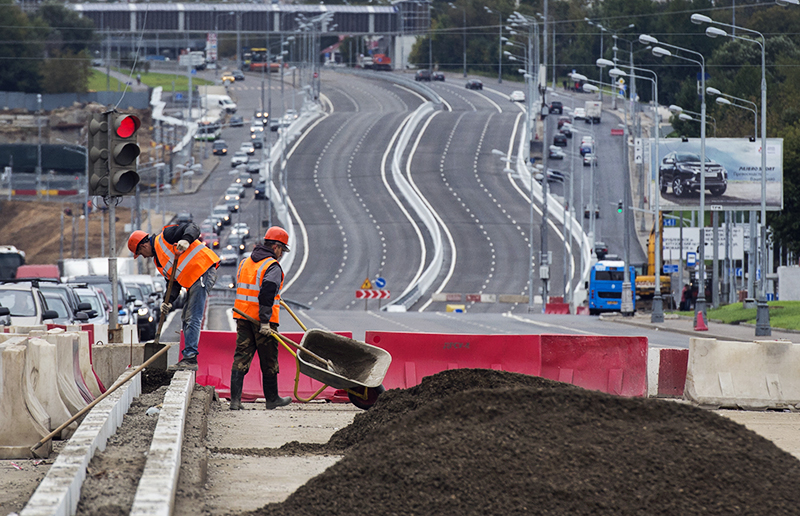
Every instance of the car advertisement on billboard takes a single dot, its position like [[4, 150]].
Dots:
[[732, 174]]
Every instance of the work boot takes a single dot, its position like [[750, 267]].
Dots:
[[270, 385], [237, 382], [186, 364]]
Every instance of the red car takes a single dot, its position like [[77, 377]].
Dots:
[[210, 239]]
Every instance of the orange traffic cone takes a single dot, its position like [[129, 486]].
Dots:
[[700, 325]]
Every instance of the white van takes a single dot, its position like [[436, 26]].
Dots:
[[222, 102]]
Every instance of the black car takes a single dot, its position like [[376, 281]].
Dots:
[[600, 250], [183, 217], [566, 130], [260, 190], [556, 107], [423, 75], [236, 121], [438, 76], [474, 84], [220, 148], [560, 140], [681, 172], [238, 75]]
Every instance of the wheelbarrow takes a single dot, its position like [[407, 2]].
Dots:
[[339, 362]]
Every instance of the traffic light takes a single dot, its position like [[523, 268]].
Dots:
[[123, 176], [619, 207], [97, 149]]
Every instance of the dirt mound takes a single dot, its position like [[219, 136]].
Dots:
[[486, 442]]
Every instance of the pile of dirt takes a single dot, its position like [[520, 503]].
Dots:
[[486, 442]]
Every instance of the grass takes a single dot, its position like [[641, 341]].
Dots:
[[98, 81], [782, 314]]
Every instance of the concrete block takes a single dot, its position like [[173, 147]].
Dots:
[[85, 361], [66, 348], [111, 360], [59, 491], [41, 363], [23, 420], [749, 375], [156, 492]]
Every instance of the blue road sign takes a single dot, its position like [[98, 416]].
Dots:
[[670, 223], [179, 96], [770, 296], [739, 272], [670, 268], [691, 259], [379, 282]]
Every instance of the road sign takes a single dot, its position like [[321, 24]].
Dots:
[[670, 223], [691, 259], [670, 268], [638, 151], [739, 272], [367, 284], [179, 96], [380, 282], [617, 132], [372, 294]]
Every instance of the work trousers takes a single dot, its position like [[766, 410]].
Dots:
[[248, 342]]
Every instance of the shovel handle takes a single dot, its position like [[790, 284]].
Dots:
[[286, 307], [284, 339]]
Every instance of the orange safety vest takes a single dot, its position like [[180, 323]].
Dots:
[[192, 263], [248, 285]]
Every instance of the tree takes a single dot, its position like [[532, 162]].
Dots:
[[21, 50], [66, 72]]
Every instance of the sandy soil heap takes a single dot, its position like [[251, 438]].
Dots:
[[483, 442]]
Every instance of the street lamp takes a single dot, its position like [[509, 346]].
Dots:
[[762, 312], [700, 305], [677, 110], [463, 30]]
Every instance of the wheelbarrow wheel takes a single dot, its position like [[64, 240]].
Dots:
[[372, 397]]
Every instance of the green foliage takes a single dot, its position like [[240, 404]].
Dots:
[[782, 314], [66, 72], [21, 50]]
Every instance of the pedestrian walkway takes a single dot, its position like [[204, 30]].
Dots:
[[716, 330], [124, 78]]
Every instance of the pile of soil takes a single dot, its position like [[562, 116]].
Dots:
[[473, 441]]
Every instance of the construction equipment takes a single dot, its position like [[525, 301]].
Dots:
[[646, 282]]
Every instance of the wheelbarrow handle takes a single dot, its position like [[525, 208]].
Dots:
[[285, 339]]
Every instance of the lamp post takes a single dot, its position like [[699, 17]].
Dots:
[[499, 44], [657, 315], [463, 30], [700, 305], [762, 312]]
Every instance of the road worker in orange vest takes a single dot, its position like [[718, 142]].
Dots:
[[196, 271], [258, 292]]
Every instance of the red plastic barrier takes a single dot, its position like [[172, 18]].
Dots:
[[556, 308], [616, 365], [416, 355], [216, 358], [581, 310], [672, 371], [556, 299]]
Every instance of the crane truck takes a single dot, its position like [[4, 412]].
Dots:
[[646, 282]]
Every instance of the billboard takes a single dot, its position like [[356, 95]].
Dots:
[[733, 174], [690, 243]]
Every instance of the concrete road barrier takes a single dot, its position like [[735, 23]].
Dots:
[[749, 375], [41, 364]]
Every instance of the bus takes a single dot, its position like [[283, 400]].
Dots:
[[255, 59], [208, 129], [605, 286]]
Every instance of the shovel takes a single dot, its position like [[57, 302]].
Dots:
[[327, 363]]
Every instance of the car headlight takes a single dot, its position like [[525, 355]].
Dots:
[[142, 312]]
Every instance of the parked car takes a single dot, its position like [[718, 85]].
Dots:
[[474, 84], [681, 172], [437, 76], [556, 107], [560, 140], [589, 158], [236, 121], [579, 113], [238, 75], [26, 304], [248, 148], [423, 75], [64, 315], [221, 212], [517, 96], [239, 158], [555, 152], [97, 300], [600, 250], [220, 148], [183, 217], [68, 295]]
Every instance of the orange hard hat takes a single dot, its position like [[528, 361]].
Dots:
[[279, 235], [134, 240]]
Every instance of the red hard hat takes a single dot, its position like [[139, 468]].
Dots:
[[278, 234], [134, 240]]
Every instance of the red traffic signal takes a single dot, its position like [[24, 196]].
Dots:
[[124, 151]]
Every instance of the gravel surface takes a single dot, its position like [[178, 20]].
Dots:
[[483, 442]]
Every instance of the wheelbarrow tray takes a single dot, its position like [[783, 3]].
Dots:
[[357, 364]]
